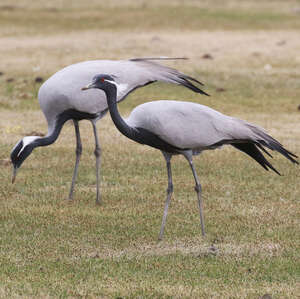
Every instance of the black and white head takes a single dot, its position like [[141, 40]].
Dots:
[[21, 151], [106, 82], [101, 81], [109, 82]]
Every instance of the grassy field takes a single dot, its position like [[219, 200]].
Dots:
[[50, 247]]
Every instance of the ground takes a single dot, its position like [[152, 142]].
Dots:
[[247, 54]]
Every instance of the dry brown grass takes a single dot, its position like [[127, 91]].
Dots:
[[240, 52]]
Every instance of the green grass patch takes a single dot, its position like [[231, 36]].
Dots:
[[162, 17]]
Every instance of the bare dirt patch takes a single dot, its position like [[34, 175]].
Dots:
[[240, 52]]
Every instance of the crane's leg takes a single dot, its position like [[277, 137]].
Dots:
[[198, 190], [97, 153], [78, 154], [169, 194]]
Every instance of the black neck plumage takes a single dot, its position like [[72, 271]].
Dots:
[[60, 121], [122, 126], [139, 135]]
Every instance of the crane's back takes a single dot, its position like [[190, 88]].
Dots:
[[186, 124], [62, 90]]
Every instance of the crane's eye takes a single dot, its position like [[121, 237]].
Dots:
[[102, 80]]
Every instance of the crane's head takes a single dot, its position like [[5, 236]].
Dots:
[[101, 81], [21, 151]]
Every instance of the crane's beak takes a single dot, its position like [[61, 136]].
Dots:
[[14, 174], [91, 85]]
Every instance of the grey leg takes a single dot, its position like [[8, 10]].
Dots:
[[198, 190], [97, 153], [169, 194], [78, 154]]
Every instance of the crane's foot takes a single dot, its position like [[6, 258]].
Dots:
[[70, 197], [98, 201]]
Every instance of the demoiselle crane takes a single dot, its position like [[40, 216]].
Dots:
[[61, 100], [186, 128]]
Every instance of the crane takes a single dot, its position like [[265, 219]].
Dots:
[[61, 100], [186, 128]]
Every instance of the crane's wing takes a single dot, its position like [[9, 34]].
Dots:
[[186, 125], [147, 71], [193, 126], [62, 91]]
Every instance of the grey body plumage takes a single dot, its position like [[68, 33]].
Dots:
[[187, 128], [60, 99]]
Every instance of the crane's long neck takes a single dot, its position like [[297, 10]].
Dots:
[[24, 147], [139, 134], [55, 127], [111, 94], [53, 131]]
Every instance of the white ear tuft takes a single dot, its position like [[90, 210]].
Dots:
[[121, 88], [27, 140]]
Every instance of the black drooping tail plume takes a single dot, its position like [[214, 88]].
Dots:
[[251, 150], [268, 141], [260, 141], [184, 80], [169, 74]]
